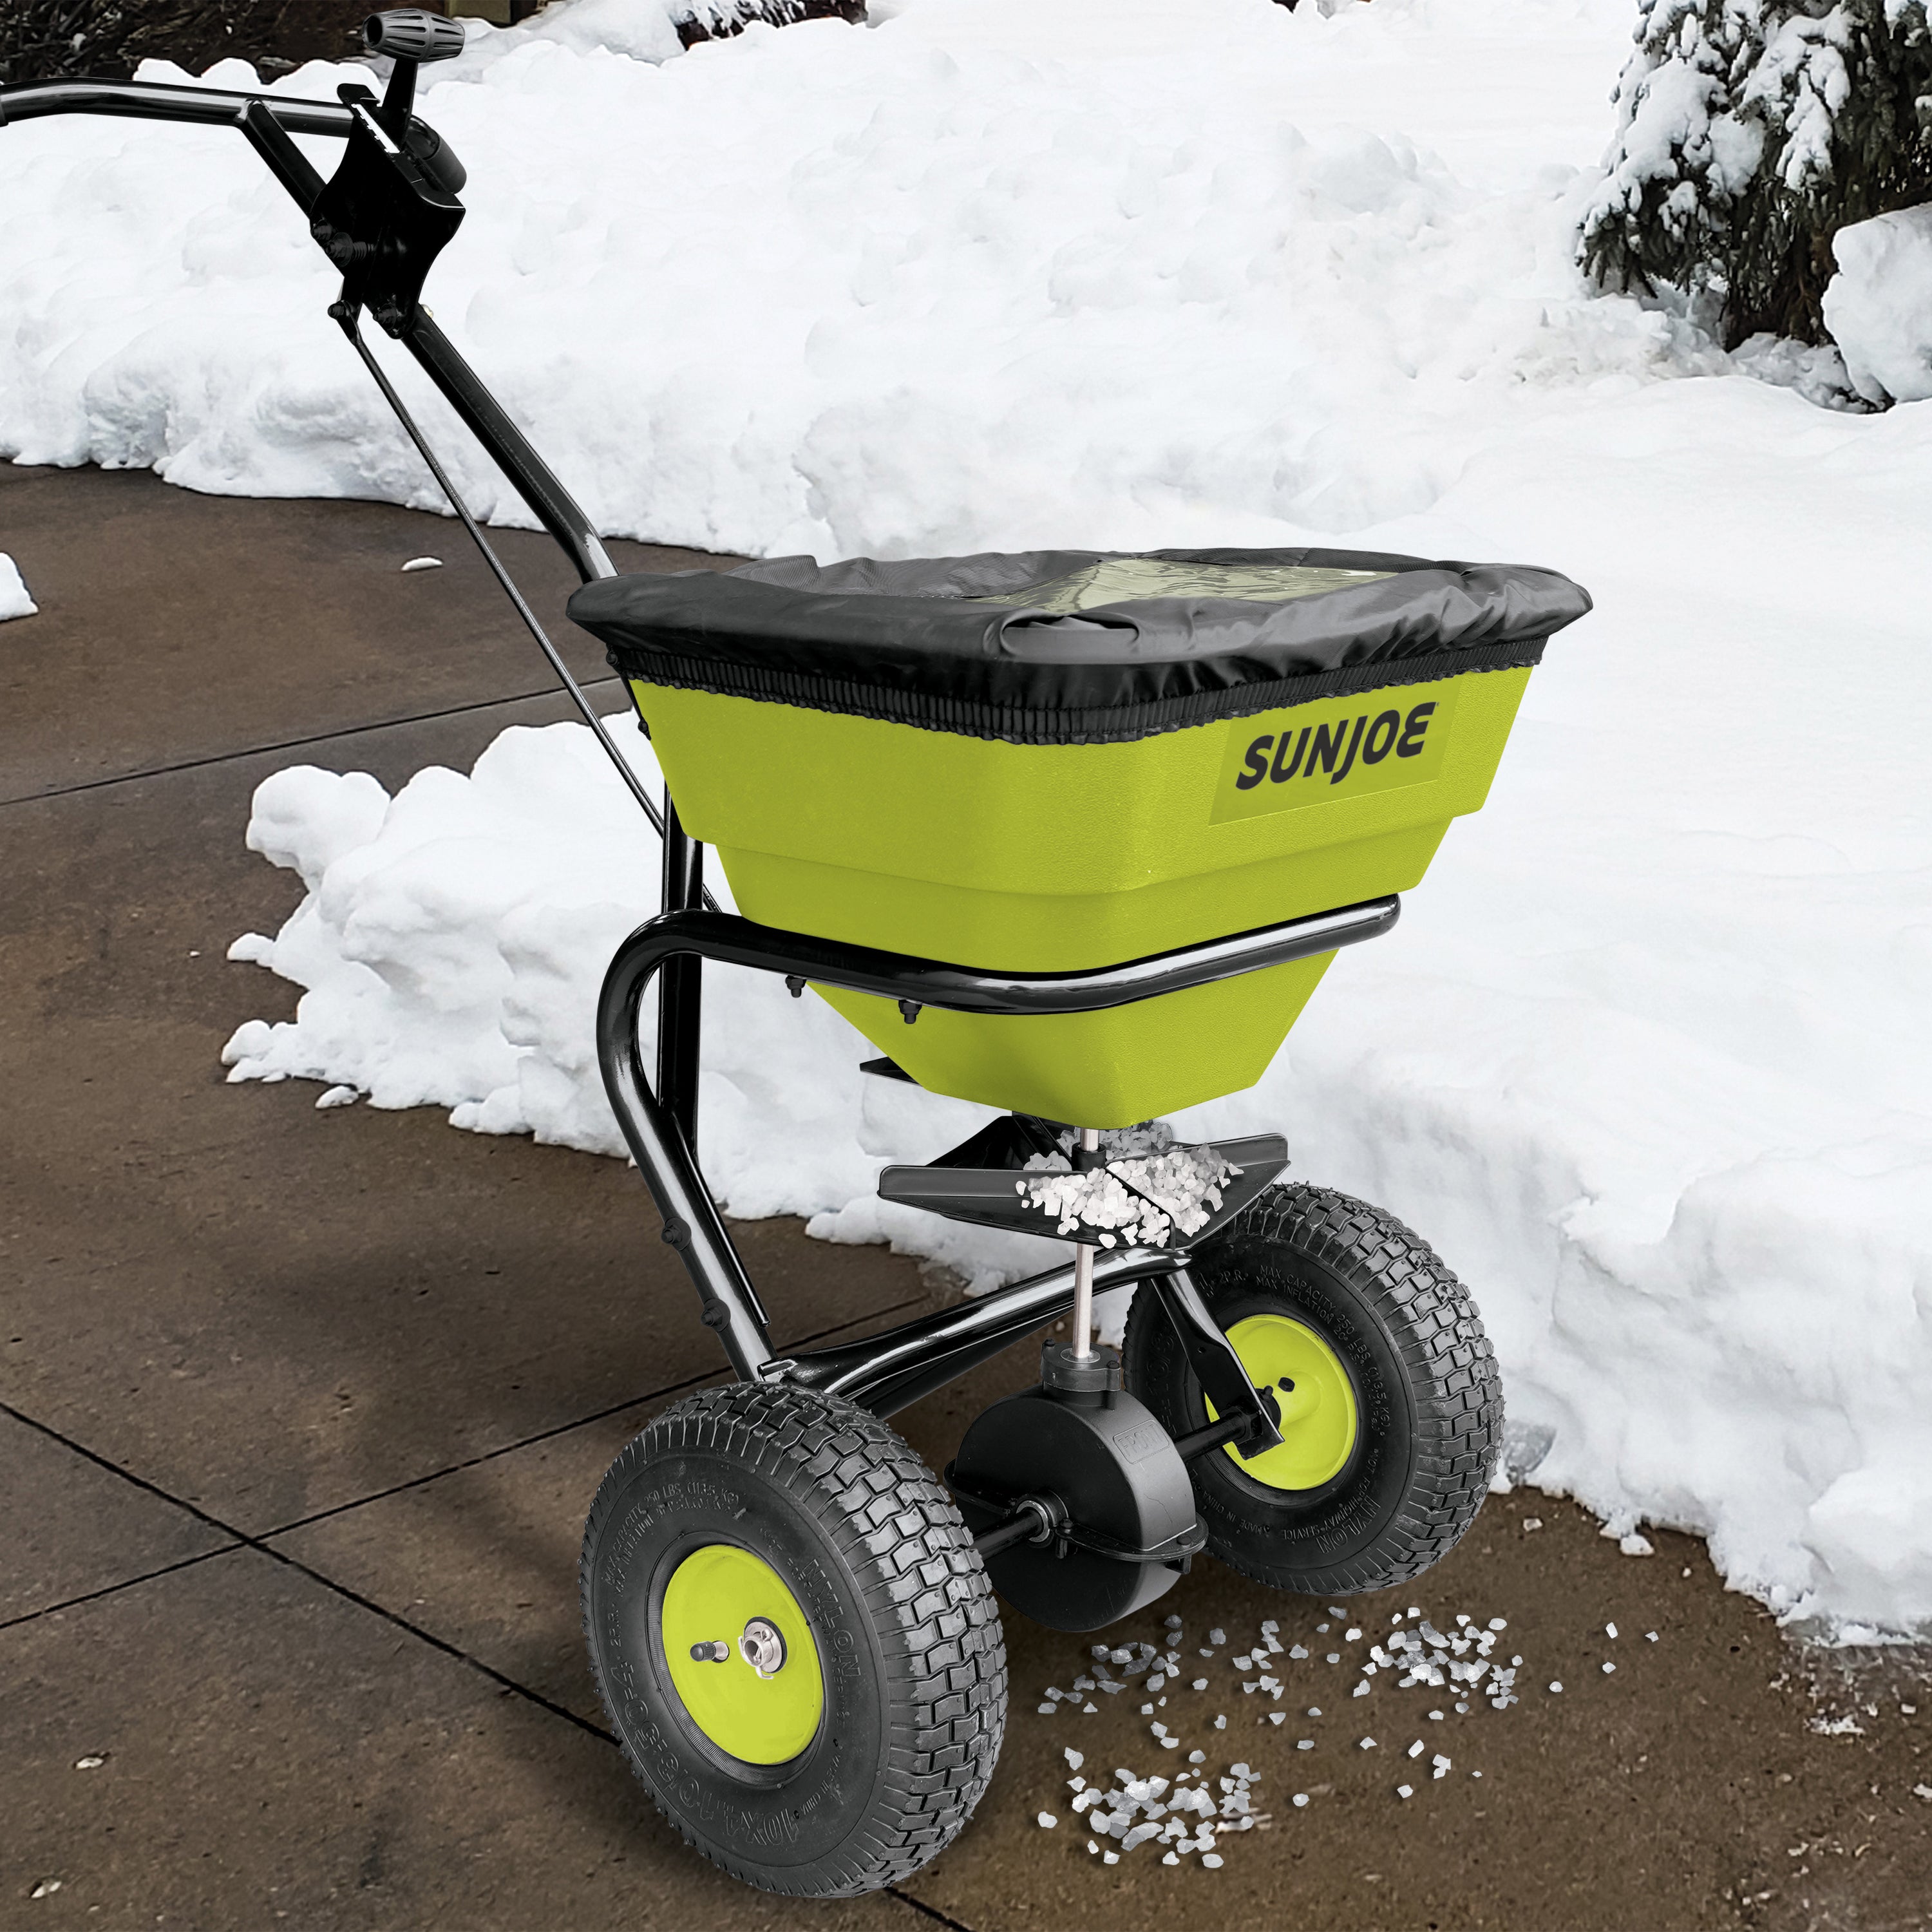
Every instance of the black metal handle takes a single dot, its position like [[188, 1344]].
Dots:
[[157, 101]]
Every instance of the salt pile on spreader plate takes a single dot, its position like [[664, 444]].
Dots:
[[1647, 1058], [1150, 1188]]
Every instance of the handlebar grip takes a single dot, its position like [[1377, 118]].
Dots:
[[409, 33]]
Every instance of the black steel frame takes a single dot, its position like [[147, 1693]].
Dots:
[[409, 211]]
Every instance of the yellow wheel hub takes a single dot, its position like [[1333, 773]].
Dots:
[[741, 1654], [1319, 1421]]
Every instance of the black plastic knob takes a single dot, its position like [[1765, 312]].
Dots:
[[409, 33]]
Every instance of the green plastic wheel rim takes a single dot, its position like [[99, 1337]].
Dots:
[[1319, 1420], [712, 1596]]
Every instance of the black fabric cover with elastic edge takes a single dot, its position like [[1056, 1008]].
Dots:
[[905, 641]]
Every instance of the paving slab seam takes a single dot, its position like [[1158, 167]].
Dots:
[[565, 1428], [300, 744], [113, 1589], [241, 1541], [925, 1911]]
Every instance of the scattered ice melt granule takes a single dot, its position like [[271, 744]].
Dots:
[[1217, 1637], [1172, 1620], [1352, 1635], [1650, 1637], [422, 563], [1608, 1668], [1243, 1662], [1334, 1656], [1361, 1690], [1499, 1623], [1296, 1651], [1200, 1684], [1075, 1759], [1220, 1724], [1277, 1717], [93, 1761], [1315, 1710], [1300, 1800], [1368, 1744], [1110, 1858], [1087, 1709], [1197, 1757], [1048, 1710], [1530, 1523], [1091, 1846], [1405, 1791], [1147, 1711], [14, 601], [1048, 1821], [1306, 1743], [1555, 1688], [1170, 1858], [1212, 1860], [1417, 1748], [1610, 1630]]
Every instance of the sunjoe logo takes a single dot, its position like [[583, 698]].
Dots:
[[1334, 749]]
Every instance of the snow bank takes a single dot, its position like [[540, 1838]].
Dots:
[[1648, 1057], [1121, 269], [14, 601], [1879, 305]]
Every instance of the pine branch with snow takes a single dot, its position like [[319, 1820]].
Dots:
[[1750, 131]]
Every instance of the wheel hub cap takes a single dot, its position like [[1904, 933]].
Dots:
[[761, 1699], [1304, 1382]]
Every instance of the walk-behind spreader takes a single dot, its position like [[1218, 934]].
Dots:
[[1072, 834]]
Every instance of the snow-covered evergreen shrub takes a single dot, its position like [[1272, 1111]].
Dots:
[[1748, 132]]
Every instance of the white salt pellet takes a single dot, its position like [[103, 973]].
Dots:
[[1441, 1763], [1351, 1635], [1197, 1757], [1173, 1622], [1048, 1821], [1405, 1791], [1220, 1724], [1608, 1669], [1610, 1630], [1314, 1710], [1212, 1860], [1170, 1858], [1368, 1744], [1650, 1637], [1555, 1687], [1417, 1748], [1110, 1858], [1334, 1656], [1075, 1759], [1217, 1637], [1048, 1710], [1305, 1743], [1200, 1684], [1499, 1623], [1277, 1717], [1361, 1690], [1301, 1799]]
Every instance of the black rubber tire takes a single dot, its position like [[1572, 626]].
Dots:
[[1426, 1387], [911, 1648]]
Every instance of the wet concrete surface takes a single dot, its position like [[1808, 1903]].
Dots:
[[300, 1413]]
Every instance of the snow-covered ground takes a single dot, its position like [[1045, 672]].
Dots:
[[1647, 1057]]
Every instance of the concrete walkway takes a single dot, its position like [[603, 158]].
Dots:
[[300, 1411]]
